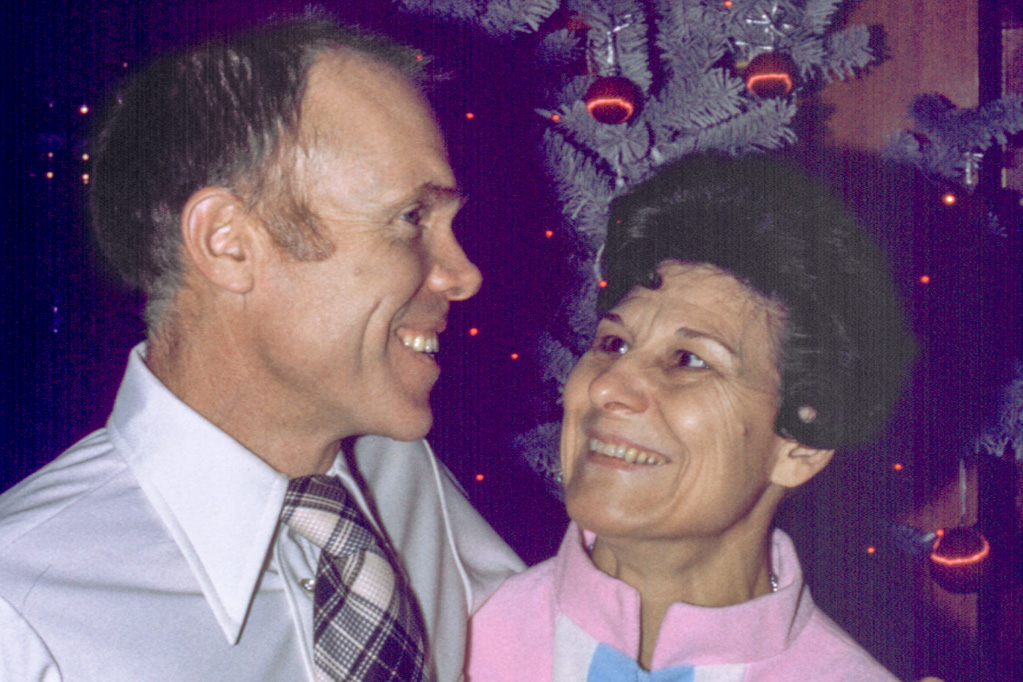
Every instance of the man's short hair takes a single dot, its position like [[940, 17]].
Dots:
[[845, 350], [224, 114]]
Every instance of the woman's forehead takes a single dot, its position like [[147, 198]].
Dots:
[[688, 285], [704, 299]]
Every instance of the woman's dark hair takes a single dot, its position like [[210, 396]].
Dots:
[[845, 350]]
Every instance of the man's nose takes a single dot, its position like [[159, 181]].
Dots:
[[452, 273]]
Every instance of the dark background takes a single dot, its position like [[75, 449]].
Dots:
[[66, 326]]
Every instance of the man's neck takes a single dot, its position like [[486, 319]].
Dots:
[[215, 381]]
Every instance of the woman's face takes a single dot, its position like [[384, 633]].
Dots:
[[668, 430]]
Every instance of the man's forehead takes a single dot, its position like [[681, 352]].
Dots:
[[371, 139], [356, 73], [350, 89]]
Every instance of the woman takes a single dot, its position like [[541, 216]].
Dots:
[[748, 330]]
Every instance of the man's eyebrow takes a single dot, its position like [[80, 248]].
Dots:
[[438, 194]]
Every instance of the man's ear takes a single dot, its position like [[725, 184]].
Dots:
[[797, 463], [221, 238]]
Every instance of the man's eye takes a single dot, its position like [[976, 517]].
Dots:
[[612, 344], [414, 216], [690, 360]]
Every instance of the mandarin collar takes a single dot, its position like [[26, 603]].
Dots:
[[608, 609]]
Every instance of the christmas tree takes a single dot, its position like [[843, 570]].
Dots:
[[950, 142], [631, 85]]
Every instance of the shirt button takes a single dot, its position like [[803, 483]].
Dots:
[[308, 584]]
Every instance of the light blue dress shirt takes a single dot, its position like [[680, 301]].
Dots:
[[152, 550]]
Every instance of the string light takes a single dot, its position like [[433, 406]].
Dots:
[[85, 157], [871, 550], [897, 467], [49, 175], [470, 115], [949, 198], [555, 117], [85, 178], [549, 233], [602, 284], [514, 356], [479, 478], [925, 279], [473, 331], [84, 109]]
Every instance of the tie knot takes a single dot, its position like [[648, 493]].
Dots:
[[320, 509]]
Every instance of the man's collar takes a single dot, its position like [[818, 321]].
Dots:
[[219, 501]]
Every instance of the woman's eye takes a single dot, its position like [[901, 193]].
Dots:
[[690, 360], [612, 344]]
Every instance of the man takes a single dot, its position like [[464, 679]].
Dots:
[[285, 201]]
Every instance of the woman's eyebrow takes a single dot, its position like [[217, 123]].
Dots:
[[683, 331], [690, 333], [611, 317]]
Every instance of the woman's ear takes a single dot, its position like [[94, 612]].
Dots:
[[797, 463], [221, 238]]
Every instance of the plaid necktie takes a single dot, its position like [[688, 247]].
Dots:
[[366, 623]]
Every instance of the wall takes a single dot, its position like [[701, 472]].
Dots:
[[932, 47]]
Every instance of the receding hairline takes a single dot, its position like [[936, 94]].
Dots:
[[361, 76], [342, 61]]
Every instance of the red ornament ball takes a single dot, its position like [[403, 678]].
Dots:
[[961, 560], [770, 74], [613, 99]]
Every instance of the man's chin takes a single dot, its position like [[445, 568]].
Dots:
[[412, 427], [401, 413]]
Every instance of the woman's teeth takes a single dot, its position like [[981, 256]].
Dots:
[[421, 342], [627, 453]]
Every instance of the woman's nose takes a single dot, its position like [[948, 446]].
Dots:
[[621, 388]]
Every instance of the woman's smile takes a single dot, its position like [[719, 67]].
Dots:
[[625, 453], [669, 418]]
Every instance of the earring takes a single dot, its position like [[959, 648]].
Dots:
[[807, 414]]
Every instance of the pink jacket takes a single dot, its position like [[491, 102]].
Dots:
[[564, 620]]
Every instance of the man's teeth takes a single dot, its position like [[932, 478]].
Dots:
[[422, 342], [627, 453]]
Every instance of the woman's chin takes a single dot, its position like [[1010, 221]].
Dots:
[[592, 511]]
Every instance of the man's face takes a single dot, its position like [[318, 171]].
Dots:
[[345, 342]]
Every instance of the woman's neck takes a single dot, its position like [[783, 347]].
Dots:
[[711, 572]]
